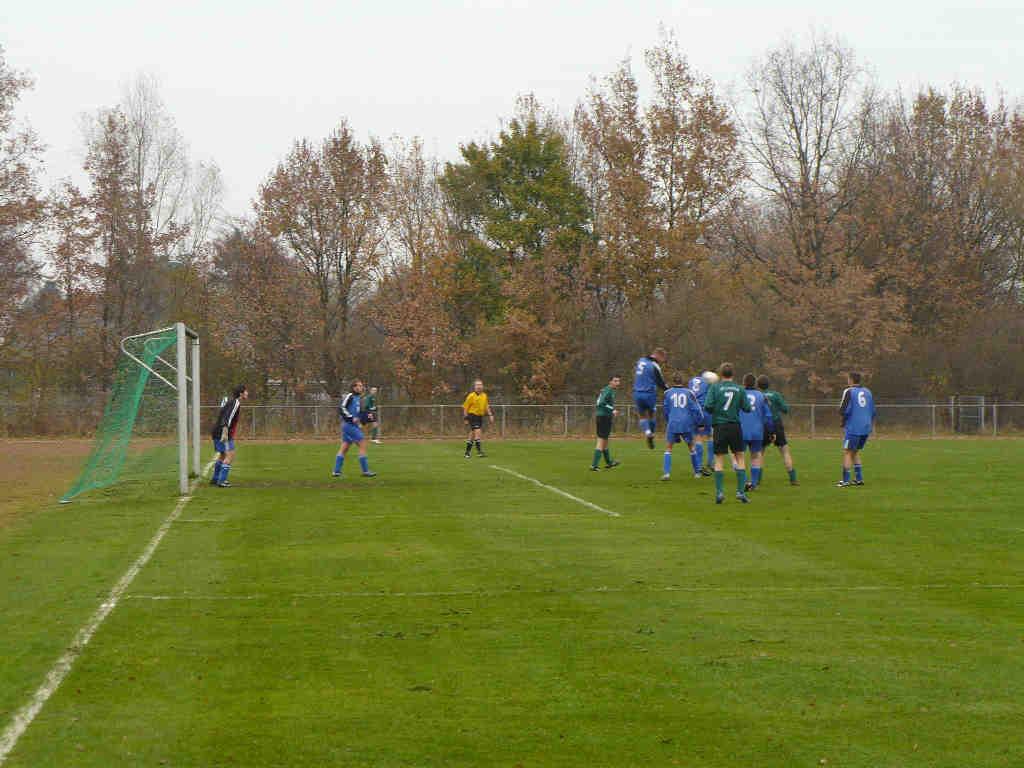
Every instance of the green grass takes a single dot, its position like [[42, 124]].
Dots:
[[449, 614]]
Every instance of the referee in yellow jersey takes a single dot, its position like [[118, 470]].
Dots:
[[474, 408]]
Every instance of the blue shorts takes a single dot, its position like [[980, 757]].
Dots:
[[679, 437], [645, 401], [351, 433], [754, 446], [854, 442], [704, 428], [221, 447]]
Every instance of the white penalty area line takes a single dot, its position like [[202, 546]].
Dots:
[[559, 491], [632, 589], [23, 717]]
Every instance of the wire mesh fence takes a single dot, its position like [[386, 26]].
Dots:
[[312, 421]]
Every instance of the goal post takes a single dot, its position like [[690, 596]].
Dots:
[[153, 393]]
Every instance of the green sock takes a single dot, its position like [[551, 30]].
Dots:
[[741, 480], [597, 457], [792, 475], [607, 456], [719, 482]]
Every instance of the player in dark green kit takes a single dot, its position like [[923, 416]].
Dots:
[[779, 407], [724, 401], [370, 409], [604, 412]]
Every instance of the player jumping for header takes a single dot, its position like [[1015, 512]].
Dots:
[[646, 382], [857, 412], [725, 400], [223, 434], [682, 415], [352, 416]]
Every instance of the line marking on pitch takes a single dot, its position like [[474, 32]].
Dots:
[[559, 491], [796, 590], [23, 717]]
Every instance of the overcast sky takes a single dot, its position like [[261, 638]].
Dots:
[[244, 79]]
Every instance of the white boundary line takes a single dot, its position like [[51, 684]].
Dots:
[[796, 590], [23, 717], [559, 491]]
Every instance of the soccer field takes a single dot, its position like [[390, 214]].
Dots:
[[449, 613]]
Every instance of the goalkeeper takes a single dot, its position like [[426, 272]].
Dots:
[[223, 434]]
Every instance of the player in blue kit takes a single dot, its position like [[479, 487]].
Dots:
[[702, 434], [647, 381], [857, 412], [349, 409], [755, 423], [683, 415]]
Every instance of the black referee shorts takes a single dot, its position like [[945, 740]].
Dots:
[[728, 439], [475, 421]]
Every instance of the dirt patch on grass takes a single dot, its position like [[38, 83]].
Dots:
[[37, 472]]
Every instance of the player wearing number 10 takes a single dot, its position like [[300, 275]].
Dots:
[[683, 415], [858, 414], [725, 400]]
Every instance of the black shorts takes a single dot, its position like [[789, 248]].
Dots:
[[728, 439], [778, 436], [474, 421], [604, 427]]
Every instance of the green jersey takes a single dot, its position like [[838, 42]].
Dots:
[[777, 403], [724, 401], [370, 403], [606, 402]]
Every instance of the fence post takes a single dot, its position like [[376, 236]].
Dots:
[[316, 420], [933, 420], [252, 421], [812, 421], [565, 432], [442, 421], [504, 412], [628, 410], [995, 419]]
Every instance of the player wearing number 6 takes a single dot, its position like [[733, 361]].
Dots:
[[857, 412], [725, 400]]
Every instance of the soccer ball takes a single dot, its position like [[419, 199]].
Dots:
[[710, 377]]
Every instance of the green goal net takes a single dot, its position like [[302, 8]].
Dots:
[[140, 428]]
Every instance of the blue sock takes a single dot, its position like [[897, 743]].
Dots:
[[643, 426], [224, 472], [666, 464], [695, 461], [216, 470], [846, 475], [858, 473], [755, 475], [338, 461], [700, 455], [364, 463]]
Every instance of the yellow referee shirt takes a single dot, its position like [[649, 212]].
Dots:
[[475, 405]]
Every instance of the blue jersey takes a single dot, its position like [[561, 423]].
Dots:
[[682, 412], [758, 419], [699, 387], [349, 407], [647, 377], [857, 411]]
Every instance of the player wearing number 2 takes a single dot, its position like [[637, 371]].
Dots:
[[683, 415], [857, 411], [755, 425], [724, 401]]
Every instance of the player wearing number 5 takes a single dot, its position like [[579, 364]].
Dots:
[[724, 401], [857, 412]]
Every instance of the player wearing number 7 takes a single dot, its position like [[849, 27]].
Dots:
[[858, 414], [724, 401]]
